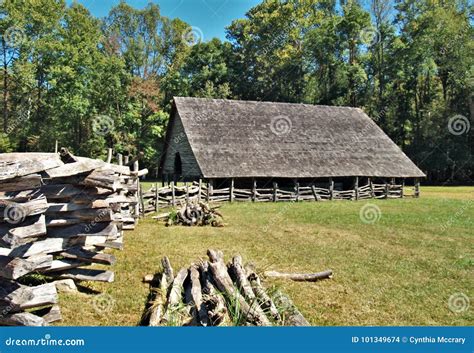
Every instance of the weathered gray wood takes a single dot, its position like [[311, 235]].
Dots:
[[168, 270], [13, 211], [231, 190], [22, 319], [157, 307], [67, 156], [14, 268], [372, 190], [157, 203], [254, 189], [292, 316], [275, 192], [103, 229], [54, 208], [16, 297], [109, 155], [84, 255], [14, 165], [297, 191], [82, 274], [356, 188], [417, 188], [331, 189], [95, 215], [173, 194], [66, 192], [28, 182], [53, 315], [196, 293], [175, 296], [315, 193], [224, 283], [69, 169], [199, 190], [237, 272], [62, 265], [300, 277], [103, 179], [31, 228], [213, 300], [262, 297]]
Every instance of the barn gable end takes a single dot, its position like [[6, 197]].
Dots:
[[178, 153]]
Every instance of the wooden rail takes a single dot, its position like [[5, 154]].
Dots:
[[173, 195]]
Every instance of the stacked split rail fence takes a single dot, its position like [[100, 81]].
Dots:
[[58, 213]]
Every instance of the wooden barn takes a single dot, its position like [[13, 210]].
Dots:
[[283, 150]]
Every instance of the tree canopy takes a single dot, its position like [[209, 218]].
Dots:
[[95, 83]]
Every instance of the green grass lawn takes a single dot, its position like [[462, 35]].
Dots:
[[401, 270]]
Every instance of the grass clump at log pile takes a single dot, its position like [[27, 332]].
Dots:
[[401, 270]]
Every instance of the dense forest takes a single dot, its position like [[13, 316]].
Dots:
[[95, 83]]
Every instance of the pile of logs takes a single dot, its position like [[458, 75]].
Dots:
[[211, 293], [193, 214], [58, 212]]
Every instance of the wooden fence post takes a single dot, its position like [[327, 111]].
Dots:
[[297, 190], [173, 194], [126, 159], [372, 191], [211, 188], [208, 192], [56, 146], [119, 159], [356, 188], [157, 202], [254, 190], [386, 189], [315, 193], [331, 189], [402, 192], [187, 192], [200, 190], [140, 201], [109, 155], [231, 190], [275, 192], [417, 188]]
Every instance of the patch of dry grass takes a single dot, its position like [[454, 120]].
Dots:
[[399, 271]]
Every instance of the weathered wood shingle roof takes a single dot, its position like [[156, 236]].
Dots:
[[264, 139]]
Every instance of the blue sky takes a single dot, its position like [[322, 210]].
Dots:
[[211, 16]]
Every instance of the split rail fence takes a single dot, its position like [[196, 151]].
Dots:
[[173, 195]]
